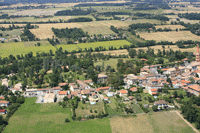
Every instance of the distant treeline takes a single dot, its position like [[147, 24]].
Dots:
[[190, 16], [103, 4], [74, 12], [152, 16], [194, 28], [153, 6], [27, 7], [81, 19], [114, 13], [145, 26]]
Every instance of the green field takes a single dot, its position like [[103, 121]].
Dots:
[[50, 118], [25, 47]]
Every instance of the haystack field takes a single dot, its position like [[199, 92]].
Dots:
[[160, 122], [172, 27], [172, 36]]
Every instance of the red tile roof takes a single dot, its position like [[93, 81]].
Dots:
[[4, 101], [194, 87], [62, 84], [154, 90], [123, 91], [62, 92], [184, 81], [103, 88], [88, 81], [2, 98], [143, 60], [2, 110], [133, 89]]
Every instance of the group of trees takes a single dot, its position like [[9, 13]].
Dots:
[[140, 26], [152, 16], [74, 12], [190, 16]]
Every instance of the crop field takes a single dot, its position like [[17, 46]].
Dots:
[[172, 36], [96, 27], [50, 117], [25, 47], [172, 27], [150, 123]]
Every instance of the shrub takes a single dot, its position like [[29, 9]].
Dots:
[[67, 120]]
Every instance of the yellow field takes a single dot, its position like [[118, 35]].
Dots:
[[172, 36], [160, 122], [168, 47], [96, 27], [54, 18], [173, 27]]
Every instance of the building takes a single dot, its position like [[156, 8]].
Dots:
[[30, 92], [103, 89], [123, 92], [3, 111], [4, 103], [197, 54], [49, 98], [102, 78], [161, 104], [194, 89], [62, 94], [153, 91], [134, 89]]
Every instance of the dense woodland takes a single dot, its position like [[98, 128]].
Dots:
[[74, 12], [190, 16]]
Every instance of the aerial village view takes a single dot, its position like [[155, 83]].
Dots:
[[103, 66]]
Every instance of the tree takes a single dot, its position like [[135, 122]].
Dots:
[[198, 122], [65, 99], [155, 108], [132, 53], [66, 87]]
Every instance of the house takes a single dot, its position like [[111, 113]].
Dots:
[[14, 90], [86, 92], [153, 91], [82, 85], [30, 92], [49, 98], [18, 86], [73, 87], [103, 89], [105, 98], [5, 82], [161, 104], [3, 111], [123, 92], [134, 89], [102, 78], [171, 71], [131, 97], [2, 98], [4, 103], [88, 82], [62, 94], [57, 89], [194, 89], [131, 79], [143, 60]]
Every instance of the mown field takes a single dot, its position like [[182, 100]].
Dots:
[[172, 36], [25, 47], [96, 27], [50, 118], [160, 122]]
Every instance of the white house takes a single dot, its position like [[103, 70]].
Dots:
[[123, 92], [4, 103]]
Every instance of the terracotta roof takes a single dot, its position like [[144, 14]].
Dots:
[[184, 59], [123, 91], [85, 92], [2, 98], [74, 93], [57, 88], [62, 92], [2, 110], [4, 101], [62, 84], [154, 89], [102, 75], [154, 80], [88, 81], [154, 93], [133, 89], [103, 88], [184, 81], [160, 102], [194, 87], [165, 69]]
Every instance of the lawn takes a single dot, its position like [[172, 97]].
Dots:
[[160, 122], [50, 117]]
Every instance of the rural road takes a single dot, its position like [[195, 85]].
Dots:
[[187, 122]]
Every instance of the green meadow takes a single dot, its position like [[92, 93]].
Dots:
[[50, 118], [18, 48]]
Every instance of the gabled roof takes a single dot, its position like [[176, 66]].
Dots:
[[88, 81], [154, 90], [123, 91], [85, 91], [184, 81], [103, 88], [133, 89], [63, 84], [194, 87], [4, 101], [2, 110], [160, 102]]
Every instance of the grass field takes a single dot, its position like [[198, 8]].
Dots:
[[50, 117], [25, 47], [165, 122], [172, 27], [170, 36]]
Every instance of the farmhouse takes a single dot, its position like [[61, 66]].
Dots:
[[102, 78], [134, 89], [103, 89], [161, 104], [62, 94], [153, 91], [3, 111]]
